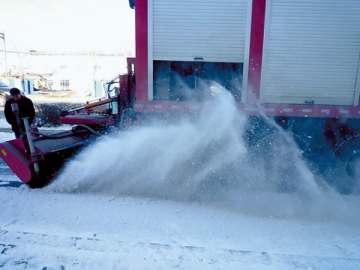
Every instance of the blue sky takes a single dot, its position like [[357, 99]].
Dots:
[[68, 25]]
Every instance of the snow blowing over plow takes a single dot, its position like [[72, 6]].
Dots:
[[172, 161], [206, 159]]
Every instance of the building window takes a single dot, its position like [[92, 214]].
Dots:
[[64, 84], [50, 84]]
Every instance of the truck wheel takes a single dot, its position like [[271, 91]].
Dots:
[[353, 165], [348, 154]]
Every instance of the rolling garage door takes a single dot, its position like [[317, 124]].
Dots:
[[311, 52], [206, 30]]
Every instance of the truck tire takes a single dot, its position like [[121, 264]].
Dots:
[[348, 154]]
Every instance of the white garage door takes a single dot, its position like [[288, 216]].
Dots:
[[311, 52], [188, 30]]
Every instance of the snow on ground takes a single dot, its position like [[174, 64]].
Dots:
[[5, 136], [186, 196], [86, 231]]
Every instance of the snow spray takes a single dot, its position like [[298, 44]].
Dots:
[[205, 160]]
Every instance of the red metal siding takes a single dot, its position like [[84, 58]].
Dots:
[[141, 64], [256, 47]]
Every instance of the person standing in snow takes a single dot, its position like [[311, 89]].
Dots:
[[26, 109]]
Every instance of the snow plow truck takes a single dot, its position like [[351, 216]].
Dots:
[[296, 62]]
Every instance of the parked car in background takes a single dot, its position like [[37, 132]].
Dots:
[[5, 93]]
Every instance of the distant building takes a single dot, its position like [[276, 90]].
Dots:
[[75, 71]]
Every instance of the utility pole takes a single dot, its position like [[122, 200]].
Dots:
[[2, 35]]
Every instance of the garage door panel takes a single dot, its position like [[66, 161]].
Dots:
[[311, 49], [199, 29]]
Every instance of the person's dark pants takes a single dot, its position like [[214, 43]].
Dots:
[[16, 130]]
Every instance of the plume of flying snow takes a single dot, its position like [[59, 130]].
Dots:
[[204, 159]]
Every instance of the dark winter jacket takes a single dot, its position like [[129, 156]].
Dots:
[[26, 109]]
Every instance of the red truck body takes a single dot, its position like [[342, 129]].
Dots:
[[290, 65], [298, 58]]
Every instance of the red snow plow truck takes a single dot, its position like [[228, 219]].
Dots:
[[295, 63]]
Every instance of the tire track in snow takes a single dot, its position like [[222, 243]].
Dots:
[[153, 253]]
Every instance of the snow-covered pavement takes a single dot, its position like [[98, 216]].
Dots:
[[143, 200], [41, 229]]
